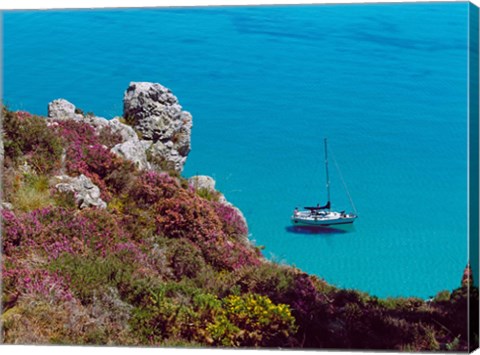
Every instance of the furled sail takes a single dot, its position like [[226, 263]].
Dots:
[[326, 207]]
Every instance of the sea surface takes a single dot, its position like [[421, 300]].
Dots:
[[385, 83]]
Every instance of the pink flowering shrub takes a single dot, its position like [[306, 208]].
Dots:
[[179, 212], [35, 284], [150, 187], [131, 253], [88, 154], [85, 134], [57, 230], [240, 255], [18, 230], [76, 132], [232, 222], [156, 229], [134, 205], [186, 215]]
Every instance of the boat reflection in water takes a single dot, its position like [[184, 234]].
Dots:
[[319, 230]]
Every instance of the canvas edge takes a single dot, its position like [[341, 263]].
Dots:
[[473, 166]]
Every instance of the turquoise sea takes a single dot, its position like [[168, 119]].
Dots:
[[386, 83]]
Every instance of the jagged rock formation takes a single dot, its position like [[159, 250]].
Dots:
[[135, 151], [86, 193], [155, 113], [61, 109], [125, 131]]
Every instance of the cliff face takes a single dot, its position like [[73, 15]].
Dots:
[[105, 243]]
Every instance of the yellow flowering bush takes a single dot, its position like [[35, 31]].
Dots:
[[252, 320]]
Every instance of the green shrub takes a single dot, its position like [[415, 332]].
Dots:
[[208, 194], [186, 259], [442, 296], [268, 279], [91, 276], [128, 120], [28, 139], [167, 314], [32, 193], [217, 282], [65, 200]]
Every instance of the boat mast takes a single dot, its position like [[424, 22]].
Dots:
[[326, 168]]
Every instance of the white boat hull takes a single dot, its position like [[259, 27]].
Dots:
[[305, 218]]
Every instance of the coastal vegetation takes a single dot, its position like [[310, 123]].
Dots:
[[166, 264]]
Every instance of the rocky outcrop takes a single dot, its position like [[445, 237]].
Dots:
[[86, 193], [62, 109], [155, 113], [135, 151], [202, 182], [131, 148], [125, 131]]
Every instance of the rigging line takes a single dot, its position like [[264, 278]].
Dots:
[[343, 181]]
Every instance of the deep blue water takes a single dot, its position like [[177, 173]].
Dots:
[[387, 84]]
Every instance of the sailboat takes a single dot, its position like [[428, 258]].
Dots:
[[323, 215]]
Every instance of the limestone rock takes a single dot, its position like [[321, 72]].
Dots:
[[6, 206], [126, 132], [155, 113], [133, 151], [202, 182], [96, 122], [62, 109], [86, 193]]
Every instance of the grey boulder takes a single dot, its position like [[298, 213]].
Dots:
[[62, 109], [133, 151], [86, 193]]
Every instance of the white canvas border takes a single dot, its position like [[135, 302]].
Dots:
[[86, 4], [62, 4]]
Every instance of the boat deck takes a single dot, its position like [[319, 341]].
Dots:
[[323, 218]]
